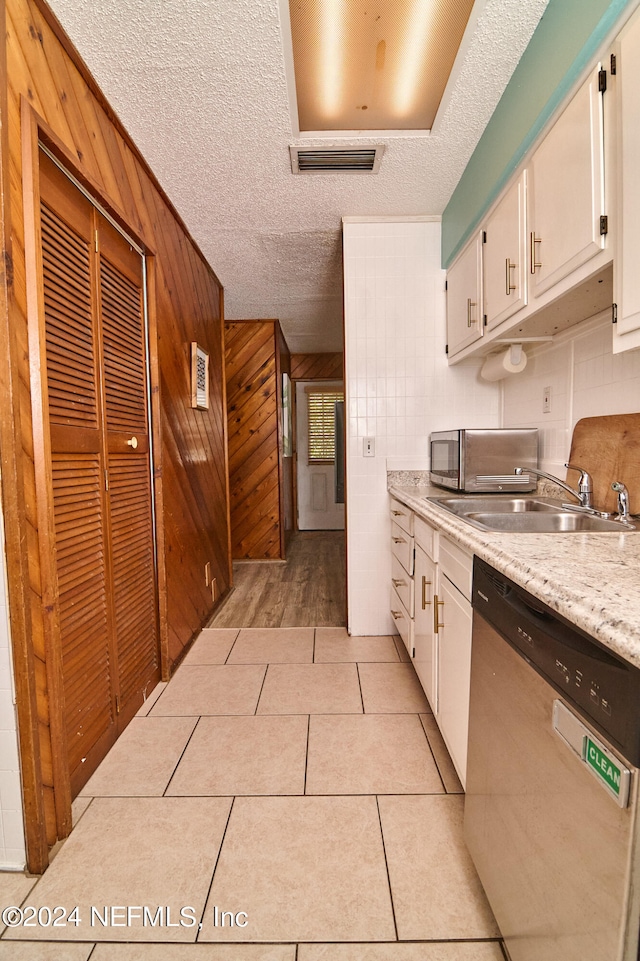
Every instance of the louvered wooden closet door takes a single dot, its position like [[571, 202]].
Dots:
[[77, 472], [96, 400], [131, 521]]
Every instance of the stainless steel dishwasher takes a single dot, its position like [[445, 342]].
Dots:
[[552, 780]]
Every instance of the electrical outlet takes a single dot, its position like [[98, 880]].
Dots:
[[546, 400], [214, 589], [207, 573], [368, 447]]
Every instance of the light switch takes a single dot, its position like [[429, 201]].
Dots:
[[368, 447]]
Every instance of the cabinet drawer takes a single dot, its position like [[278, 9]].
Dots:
[[403, 584], [402, 516], [426, 537], [457, 565], [402, 547], [402, 621]]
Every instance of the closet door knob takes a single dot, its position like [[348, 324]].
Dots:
[[133, 442]]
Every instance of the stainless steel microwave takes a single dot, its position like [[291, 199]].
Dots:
[[484, 460]]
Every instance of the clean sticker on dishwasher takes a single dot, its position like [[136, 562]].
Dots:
[[603, 766]]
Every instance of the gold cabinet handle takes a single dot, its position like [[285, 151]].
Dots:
[[397, 581], [509, 287], [396, 615], [436, 620], [425, 584], [398, 540], [133, 442], [398, 513], [470, 304], [534, 263]]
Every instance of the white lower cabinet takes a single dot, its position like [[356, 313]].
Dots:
[[454, 671], [425, 658], [431, 610], [402, 582]]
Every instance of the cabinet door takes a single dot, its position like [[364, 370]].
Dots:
[[402, 620], [504, 256], [454, 671], [426, 653], [626, 275], [565, 191], [464, 297]]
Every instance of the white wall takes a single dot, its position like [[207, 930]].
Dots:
[[398, 389], [586, 380], [12, 849]]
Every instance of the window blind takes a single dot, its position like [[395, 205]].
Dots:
[[321, 424]]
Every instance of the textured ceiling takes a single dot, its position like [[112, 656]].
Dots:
[[201, 87]]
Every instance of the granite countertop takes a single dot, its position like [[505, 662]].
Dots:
[[592, 579]]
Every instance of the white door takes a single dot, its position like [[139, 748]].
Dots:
[[317, 508]]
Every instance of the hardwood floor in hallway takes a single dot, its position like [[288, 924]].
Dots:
[[306, 590]]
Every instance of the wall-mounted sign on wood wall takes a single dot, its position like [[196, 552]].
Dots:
[[199, 377]]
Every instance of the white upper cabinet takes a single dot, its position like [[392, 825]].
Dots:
[[546, 260], [626, 272], [565, 191], [504, 256], [464, 297]]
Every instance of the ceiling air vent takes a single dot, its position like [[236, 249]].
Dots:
[[336, 160]]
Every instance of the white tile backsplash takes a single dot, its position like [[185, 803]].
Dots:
[[586, 380], [12, 849], [398, 388]]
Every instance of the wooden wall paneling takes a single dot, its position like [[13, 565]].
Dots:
[[286, 463], [253, 384], [317, 366], [158, 491], [43, 67], [226, 444], [182, 423]]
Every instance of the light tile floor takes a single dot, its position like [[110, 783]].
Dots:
[[291, 781]]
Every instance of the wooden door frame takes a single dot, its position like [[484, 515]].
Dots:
[[23, 567], [15, 518]]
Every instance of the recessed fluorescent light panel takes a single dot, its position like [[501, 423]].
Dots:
[[379, 65]]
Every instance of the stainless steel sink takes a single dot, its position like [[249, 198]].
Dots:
[[498, 504], [544, 522], [533, 515]]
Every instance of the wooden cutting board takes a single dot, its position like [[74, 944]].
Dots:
[[609, 448]]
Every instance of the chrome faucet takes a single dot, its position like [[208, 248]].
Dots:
[[585, 485], [623, 499]]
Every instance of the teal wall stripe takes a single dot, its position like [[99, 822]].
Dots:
[[566, 40]]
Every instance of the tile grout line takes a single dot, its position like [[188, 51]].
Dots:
[[306, 760], [264, 678], [360, 686], [235, 641], [182, 753], [213, 874], [446, 790], [435, 760], [386, 864]]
